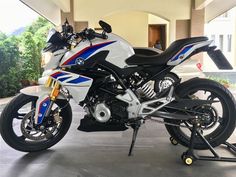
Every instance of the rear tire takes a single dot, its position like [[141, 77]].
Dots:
[[19, 142], [224, 130]]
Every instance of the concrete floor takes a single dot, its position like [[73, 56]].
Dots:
[[102, 154]]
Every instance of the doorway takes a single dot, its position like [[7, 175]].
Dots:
[[157, 33]]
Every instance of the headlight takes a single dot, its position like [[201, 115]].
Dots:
[[46, 57]]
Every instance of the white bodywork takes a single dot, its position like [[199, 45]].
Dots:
[[119, 51], [78, 92], [38, 90], [186, 51], [55, 60], [77, 86]]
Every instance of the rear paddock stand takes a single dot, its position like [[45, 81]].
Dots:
[[190, 155]]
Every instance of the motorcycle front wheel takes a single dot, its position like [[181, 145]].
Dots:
[[219, 125], [18, 130]]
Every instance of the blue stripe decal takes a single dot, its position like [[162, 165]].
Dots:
[[79, 80], [64, 78], [43, 109], [186, 49]]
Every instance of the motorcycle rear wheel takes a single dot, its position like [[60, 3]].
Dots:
[[216, 133], [11, 125]]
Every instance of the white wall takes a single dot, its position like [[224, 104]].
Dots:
[[132, 26], [218, 7], [222, 26], [86, 10], [46, 8]]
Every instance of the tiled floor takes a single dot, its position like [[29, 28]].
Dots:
[[102, 154]]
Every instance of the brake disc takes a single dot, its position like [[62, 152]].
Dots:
[[28, 130]]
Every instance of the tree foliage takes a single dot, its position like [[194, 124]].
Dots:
[[20, 57], [9, 58], [2, 36]]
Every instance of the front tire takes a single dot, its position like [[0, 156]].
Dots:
[[216, 133], [11, 119]]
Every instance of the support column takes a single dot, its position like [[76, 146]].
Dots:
[[197, 22], [182, 29], [197, 27], [69, 15], [172, 30], [77, 25]]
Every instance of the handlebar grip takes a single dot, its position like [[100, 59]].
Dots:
[[102, 36], [80, 34], [90, 34]]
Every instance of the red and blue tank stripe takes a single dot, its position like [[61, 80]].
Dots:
[[85, 53]]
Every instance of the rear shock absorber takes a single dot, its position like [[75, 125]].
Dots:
[[148, 92]]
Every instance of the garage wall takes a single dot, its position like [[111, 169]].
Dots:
[[169, 9], [132, 26]]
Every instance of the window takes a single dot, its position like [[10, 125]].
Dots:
[[221, 42], [213, 37], [229, 40]]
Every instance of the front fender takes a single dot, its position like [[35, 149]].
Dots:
[[39, 90], [43, 101]]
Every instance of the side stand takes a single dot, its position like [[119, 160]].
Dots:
[[190, 156], [135, 127]]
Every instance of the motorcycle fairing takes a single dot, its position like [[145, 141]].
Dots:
[[38, 90], [76, 84], [69, 79], [85, 53], [186, 52]]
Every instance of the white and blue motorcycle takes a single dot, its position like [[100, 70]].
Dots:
[[118, 87]]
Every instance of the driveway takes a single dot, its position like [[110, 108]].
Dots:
[[104, 154]]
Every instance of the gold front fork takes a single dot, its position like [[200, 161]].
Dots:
[[54, 93], [55, 88]]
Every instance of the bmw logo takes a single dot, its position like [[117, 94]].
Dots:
[[80, 61]]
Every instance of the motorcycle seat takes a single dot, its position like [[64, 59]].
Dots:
[[164, 57]]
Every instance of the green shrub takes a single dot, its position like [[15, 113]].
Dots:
[[20, 57]]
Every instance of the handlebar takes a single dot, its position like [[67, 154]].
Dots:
[[102, 35], [90, 34]]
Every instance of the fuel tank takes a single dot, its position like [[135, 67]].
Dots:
[[119, 51]]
